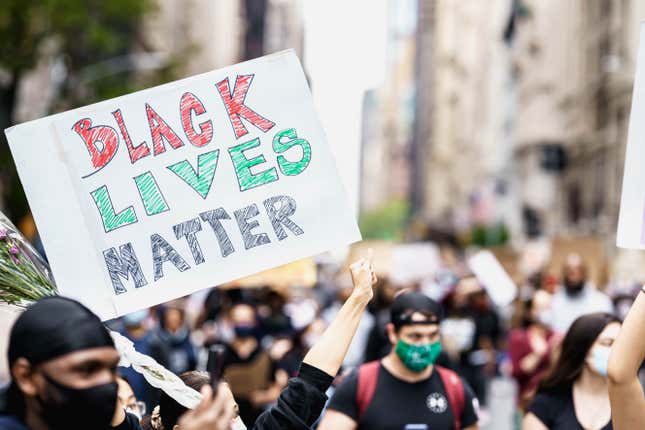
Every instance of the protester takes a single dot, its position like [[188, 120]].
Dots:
[[479, 363], [531, 347], [272, 313], [472, 333], [405, 388], [63, 371], [247, 365], [129, 400], [300, 404], [574, 395], [577, 296], [167, 414], [627, 356], [174, 339]]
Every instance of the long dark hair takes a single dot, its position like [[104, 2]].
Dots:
[[576, 345]]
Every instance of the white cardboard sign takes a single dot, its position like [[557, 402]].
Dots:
[[154, 195], [491, 274], [631, 221]]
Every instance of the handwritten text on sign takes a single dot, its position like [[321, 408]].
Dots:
[[204, 180]]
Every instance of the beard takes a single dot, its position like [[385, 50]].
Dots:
[[574, 288]]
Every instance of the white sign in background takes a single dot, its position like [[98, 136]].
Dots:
[[631, 226], [242, 182], [488, 270]]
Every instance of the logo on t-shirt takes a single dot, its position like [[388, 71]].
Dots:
[[437, 403]]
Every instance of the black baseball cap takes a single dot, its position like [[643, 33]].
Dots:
[[409, 303]]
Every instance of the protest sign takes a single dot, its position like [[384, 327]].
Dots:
[[631, 220], [500, 287], [154, 195]]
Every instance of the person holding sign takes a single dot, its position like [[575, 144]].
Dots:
[[628, 353], [69, 381]]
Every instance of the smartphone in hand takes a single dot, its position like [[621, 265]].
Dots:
[[215, 365]]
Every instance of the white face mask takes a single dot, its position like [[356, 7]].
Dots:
[[545, 317], [238, 424], [598, 359]]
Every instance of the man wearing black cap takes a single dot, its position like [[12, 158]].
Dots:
[[63, 371], [405, 390]]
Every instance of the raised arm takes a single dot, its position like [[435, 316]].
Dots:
[[329, 352], [302, 401], [628, 352]]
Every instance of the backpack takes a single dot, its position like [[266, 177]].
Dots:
[[368, 378]]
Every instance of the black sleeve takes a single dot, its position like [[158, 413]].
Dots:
[[542, 407], [300, 403], [129, 423], [469, 414], [344, 398]]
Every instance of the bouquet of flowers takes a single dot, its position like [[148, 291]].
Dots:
[[24, 275]]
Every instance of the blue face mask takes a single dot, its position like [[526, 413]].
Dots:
[[600, 359], [135, 318]]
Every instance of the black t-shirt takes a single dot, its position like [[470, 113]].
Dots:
[[397, 403], [557, 412]]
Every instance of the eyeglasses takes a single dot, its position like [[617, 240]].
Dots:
[[136, 408]]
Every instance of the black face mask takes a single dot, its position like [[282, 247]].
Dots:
[[573, 288], [68, 408], [245, 331]]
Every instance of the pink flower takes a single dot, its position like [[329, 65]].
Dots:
[[15, 259], [3, 234], [14, 250]]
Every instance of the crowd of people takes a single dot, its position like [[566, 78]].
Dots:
[[355, 353]]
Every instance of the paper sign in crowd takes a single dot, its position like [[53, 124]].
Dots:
[[631, 221], [491, 274], [154, 195]]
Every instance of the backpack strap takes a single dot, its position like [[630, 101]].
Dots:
[[367, 379], [455, 393]]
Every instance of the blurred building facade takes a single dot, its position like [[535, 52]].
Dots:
[[464, 106], [389, 113], [210, 35], [574, 64]]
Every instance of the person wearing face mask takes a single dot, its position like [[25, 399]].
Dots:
[[300, 403], [531, 347], [63, 371], [627, 356], [247, 365], [129, 400], [574, 395], [172, 339], [405, 389], [576, 296]]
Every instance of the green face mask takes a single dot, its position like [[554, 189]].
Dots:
[[418, 357]]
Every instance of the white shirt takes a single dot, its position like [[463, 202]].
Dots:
[[566, 309]]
